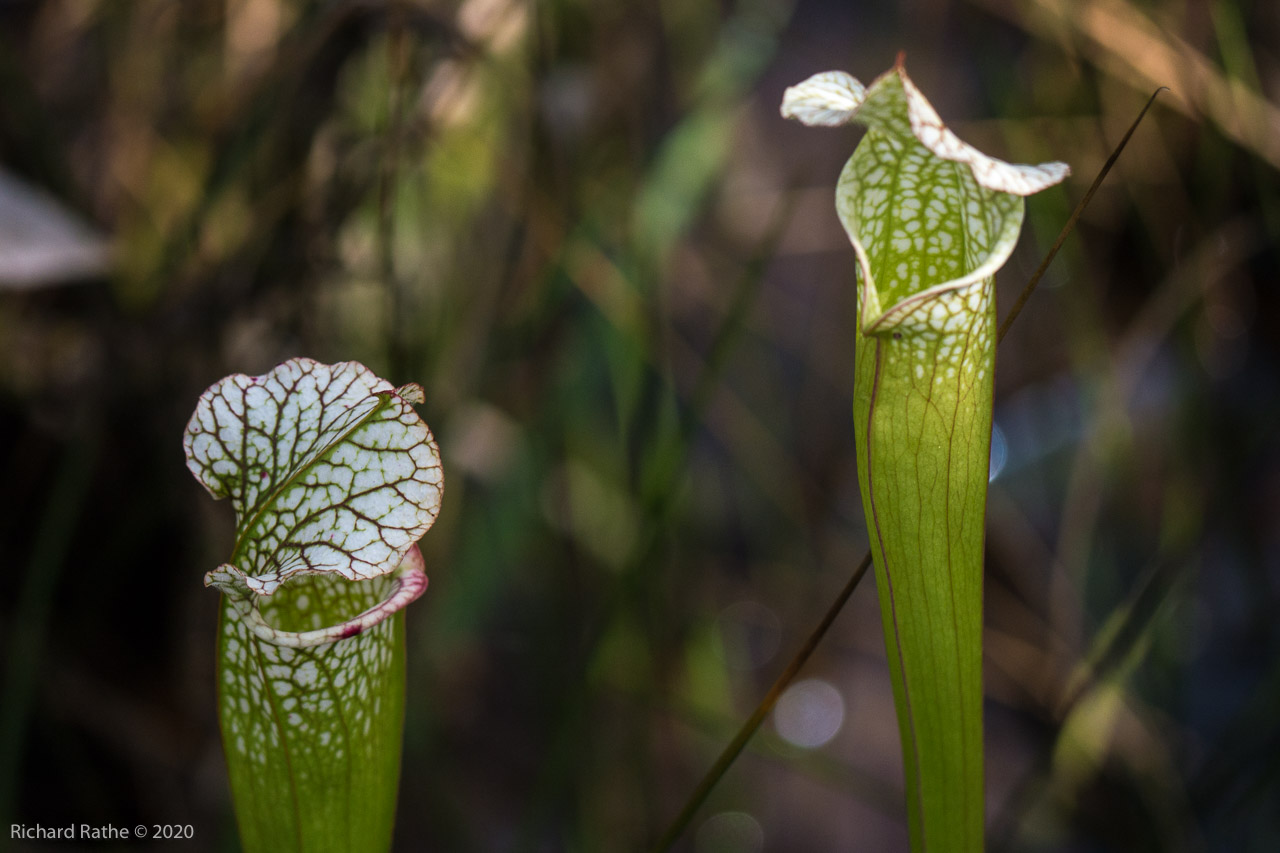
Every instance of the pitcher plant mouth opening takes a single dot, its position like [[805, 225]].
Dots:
[[397, 590]]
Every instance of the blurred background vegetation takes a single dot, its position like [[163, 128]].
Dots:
[[584, 228]]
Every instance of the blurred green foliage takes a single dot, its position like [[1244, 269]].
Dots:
[[584, 229]]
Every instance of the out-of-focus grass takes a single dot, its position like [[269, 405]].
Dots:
[[583, 227]]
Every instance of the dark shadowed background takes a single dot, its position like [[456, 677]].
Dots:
[[584, 228]]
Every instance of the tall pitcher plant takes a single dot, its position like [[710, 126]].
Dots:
[[333, 478], [931, 219]]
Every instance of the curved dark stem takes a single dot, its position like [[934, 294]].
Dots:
[[735, 747], [1071, 221]]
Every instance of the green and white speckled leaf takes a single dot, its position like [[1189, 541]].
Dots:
[[328, 468], [333, 478], [931, 219]]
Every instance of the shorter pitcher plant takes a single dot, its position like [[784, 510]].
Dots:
[[334, 478]]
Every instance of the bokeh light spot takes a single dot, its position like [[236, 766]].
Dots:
[[809, 714], [730, 832], [999, 452]]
